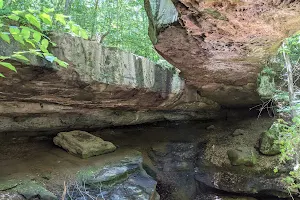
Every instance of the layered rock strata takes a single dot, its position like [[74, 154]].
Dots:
[[220, 46]]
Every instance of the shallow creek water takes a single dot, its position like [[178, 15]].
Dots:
[[34, 156]]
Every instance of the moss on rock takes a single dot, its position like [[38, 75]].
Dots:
[[31, 189], [242, 156]]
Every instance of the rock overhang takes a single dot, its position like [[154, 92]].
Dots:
[[221, 46]]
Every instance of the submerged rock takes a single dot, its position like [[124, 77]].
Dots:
[[83, 144], [242, 156], [222, 197], [10, 196], [24, 190], [232, 164], [238, 132], [211, 127], [124, 179], [243, 183], [175, 169]]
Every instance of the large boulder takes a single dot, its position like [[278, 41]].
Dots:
[[83, 144], [220, 45]]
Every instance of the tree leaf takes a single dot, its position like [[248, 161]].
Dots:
[[48, 10], [4, 36], [44, 45], [18, 38], [37, 36], [8, 65], [18, 12], [75, 29], [1, 75], [33, 20], [61, 63], [1, 4], [61, 18], [14, 17], [46, 18], [83, 34], [4, 57], [20, 57], [31, 10], [14, 30], [25, 33], [31, 42]]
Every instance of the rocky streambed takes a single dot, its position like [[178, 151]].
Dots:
[[167, 160]]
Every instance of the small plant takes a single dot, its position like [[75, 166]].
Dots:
[[289, 141], [27, 29]]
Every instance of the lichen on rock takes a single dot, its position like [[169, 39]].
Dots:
[[242, 156], [83, 144], [267, 143]]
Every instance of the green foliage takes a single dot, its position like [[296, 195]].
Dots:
[[27, 29], [288, 138], [124, 23], [266, 83], [292, 48], [287, 131], [289, 141]]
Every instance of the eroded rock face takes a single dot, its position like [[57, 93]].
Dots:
[[221, 45], [101, 87]]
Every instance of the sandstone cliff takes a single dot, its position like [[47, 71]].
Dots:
[[221, 45], [101, 87]]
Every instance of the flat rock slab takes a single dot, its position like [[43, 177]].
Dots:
[[83, 144]]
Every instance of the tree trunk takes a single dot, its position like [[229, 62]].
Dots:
[[93, 31], [288, 66], [68, 5]]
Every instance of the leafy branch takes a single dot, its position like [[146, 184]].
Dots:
[[27, 29]]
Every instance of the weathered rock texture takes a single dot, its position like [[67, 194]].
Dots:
[[221, 45], [198, 167], [101, 87], [124, 179], [83, 144]]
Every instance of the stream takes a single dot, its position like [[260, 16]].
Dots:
[[187, 159]]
